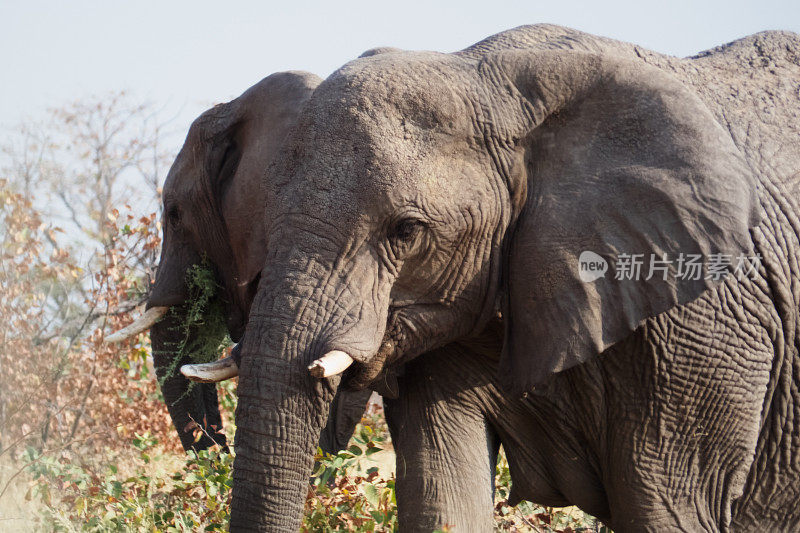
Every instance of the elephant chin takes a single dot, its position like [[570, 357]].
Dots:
[[237, 300], [236, 322]]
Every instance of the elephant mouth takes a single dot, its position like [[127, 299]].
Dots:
[[380, 372], [236, 330], [239, 308]]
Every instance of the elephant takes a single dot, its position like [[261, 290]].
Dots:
[[424, 197], [212, 195], [453, 396]]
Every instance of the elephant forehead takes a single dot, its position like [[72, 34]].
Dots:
[[185, 174], [379, 133], [212, 122], [356, 183], [380, 165], [356, 189], [395, 93]]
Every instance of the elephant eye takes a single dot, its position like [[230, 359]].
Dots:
[[173, 216], [405, 231]]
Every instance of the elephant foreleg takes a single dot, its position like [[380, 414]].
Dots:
[[446, 454]]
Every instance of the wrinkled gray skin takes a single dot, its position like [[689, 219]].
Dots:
[[567, 446], [422, 192], [213, 205]]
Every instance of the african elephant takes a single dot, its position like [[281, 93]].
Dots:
[[213, 208], [456, 405], [421, 193]]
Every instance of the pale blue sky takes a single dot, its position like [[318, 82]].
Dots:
[[184, 55]]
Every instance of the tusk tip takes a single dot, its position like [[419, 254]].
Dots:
[[213, 372], [115, 337], [316, 370], [190, 372], [143, 323], [332, 363]]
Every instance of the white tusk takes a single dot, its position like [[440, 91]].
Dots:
[[144, 322], [330, 364], [211, 372]]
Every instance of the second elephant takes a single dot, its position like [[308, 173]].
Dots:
[[214, 210]]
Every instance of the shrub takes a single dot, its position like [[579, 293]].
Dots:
[[345, 496], [148, 488], [153, 496]]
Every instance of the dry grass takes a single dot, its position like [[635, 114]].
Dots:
[[17, 513]]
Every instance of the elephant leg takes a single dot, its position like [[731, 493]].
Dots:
[[192, 407], [346, 412], [446, 454], [189, 406]]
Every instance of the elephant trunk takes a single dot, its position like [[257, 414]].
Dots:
[[282, 410], [192, 407], [282, 407]]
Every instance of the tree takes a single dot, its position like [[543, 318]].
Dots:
[[76, 260]]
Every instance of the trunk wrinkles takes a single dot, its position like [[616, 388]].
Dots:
[[281, 410]]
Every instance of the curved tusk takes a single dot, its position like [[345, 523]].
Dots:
[[330, 364], [144, 322], [211, 372]]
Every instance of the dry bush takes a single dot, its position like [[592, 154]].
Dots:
[[64, 394], [59, 382]]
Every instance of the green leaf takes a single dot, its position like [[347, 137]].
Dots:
[[371, 493], [355, 450], [323, 479]]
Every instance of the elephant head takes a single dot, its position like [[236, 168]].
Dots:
[[421, 193], [213, 214]]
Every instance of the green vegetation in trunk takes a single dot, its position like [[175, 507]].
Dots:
[[204, 333]]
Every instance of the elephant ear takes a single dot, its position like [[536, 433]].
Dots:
[[247, 134], [255, 123], [617, 162]]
